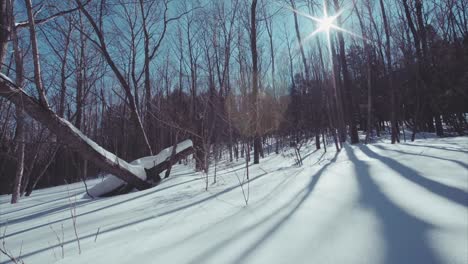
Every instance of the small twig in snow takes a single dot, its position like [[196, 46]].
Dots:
[[97, 233], [73, 217]]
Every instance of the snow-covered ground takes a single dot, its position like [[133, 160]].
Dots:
[[379, 203]]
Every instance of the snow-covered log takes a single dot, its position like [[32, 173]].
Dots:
[[164, 159], [69, 134], [153, 165]]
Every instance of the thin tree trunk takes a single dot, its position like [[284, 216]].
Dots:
[[32, 186]]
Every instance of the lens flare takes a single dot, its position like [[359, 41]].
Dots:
[[324, 24]]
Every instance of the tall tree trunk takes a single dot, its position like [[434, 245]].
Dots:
[[35, 53], [20, 141], [147, 80], [393, 119], [255, 73], [20, 138], [299, 39], [348, 87], [367, 51], [420, 83], [63, 68], [337, 93]]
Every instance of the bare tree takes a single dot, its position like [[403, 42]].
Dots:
[[102, 45], [255, 76]]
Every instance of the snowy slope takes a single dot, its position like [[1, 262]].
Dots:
[[380, 203]]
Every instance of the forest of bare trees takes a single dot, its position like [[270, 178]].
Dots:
[[234, 76]]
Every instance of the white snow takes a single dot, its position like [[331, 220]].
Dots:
[[380, 203], [111, 182]]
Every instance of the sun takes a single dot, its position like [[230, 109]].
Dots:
[[326, 23]]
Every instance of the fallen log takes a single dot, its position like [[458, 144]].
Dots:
[[70, 135], [153, 166], [153, 173]]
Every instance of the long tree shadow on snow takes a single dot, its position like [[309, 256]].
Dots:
[[462, 164], [39, 196], [49, 211], [405, 235], [14, 211], [288, 209], [451, 193], [65, 207], [281, 186], [455, 149], [118, 227]]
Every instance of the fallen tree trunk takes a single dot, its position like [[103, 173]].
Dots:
[[153, 165], [154, 172], [66, 132]]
